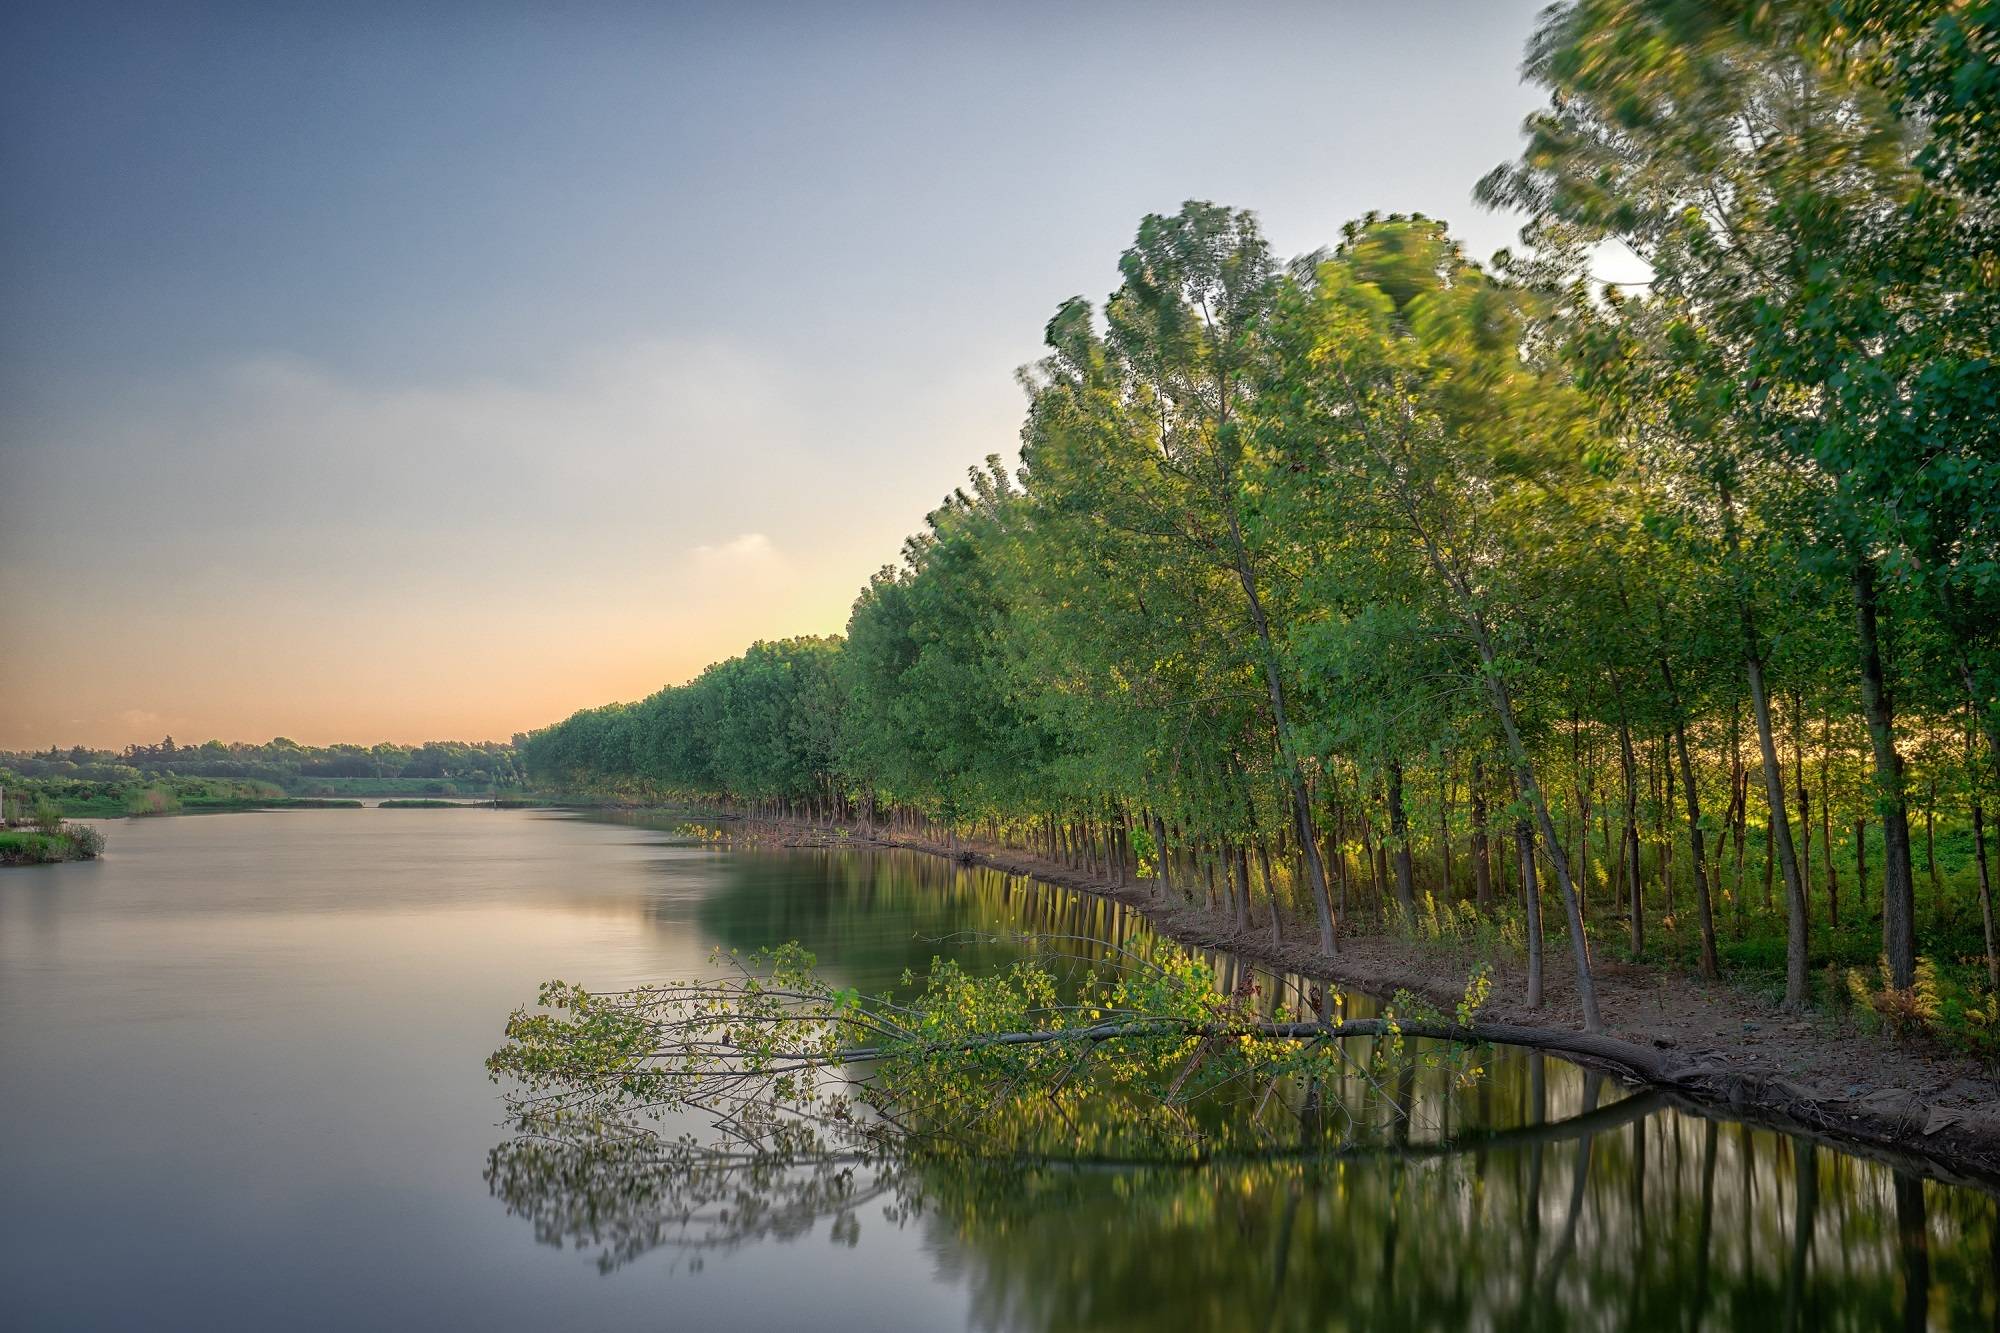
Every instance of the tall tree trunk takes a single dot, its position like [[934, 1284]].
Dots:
[[1482, 868], [1796, 940], [1242, 864], [1473, 618], [1503, 705], [1899, 937], [1930, 854], [1799, 788], [1709, 966], [1831, 874], [1531, 903], [1979, 855], [1985, 891], [1399, 830], [1288, 759], [1444, 825], [1861, 863], [1628, 843]]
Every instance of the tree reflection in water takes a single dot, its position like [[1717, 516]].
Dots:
[[1429, 1236], [1572, 1207]]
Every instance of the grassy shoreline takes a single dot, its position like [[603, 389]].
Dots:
[[49, 846]]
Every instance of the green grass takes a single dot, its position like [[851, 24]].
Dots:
[[29, 847]]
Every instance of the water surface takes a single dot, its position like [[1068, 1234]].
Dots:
[[241, 1086]]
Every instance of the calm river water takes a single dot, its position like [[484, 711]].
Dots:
[[241, 1087]]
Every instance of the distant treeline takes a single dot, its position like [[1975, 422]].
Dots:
[[294, 768], [1378, 580]]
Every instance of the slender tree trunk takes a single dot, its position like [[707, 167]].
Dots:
[[1288, 760], [1831, 874], [1503, 703], [1861, 862], [1805, 799], [1979, 855], [1270, 890], [1796, 941], [1474, 620], [1242, 864], [1930, 854], [1709, 966], [1444, 825], [1482, 868], [1663, 812], [1899, 939], [1985, 891], [1531, 903], [1628, 853], [1399, 830]]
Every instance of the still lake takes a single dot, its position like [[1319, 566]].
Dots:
[[241, 1086]]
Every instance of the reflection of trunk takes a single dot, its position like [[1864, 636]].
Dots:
[[1805, 1215], [1538, 1112], [1640, 1253], [1281, 1254], [1899, 940], [1578, 1185], [1705, 1232], [1399, 829], [1913, 1244]]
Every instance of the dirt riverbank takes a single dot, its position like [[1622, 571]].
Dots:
[[1714, 1047]]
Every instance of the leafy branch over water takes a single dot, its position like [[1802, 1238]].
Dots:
[[1146, 1060], [757, 1103]]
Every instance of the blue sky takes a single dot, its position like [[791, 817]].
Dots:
[[393, 371]]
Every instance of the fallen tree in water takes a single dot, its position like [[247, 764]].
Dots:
[[1140, 1056], [765, 1099]]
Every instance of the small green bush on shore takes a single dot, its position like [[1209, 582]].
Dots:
[[66, 842]]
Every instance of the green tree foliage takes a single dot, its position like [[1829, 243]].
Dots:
[[1349, 589]]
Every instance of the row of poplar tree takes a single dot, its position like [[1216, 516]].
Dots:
[[1370, 565]]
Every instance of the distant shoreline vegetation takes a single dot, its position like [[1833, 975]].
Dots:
[[73, 799], [435, 768], [167, 778]]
